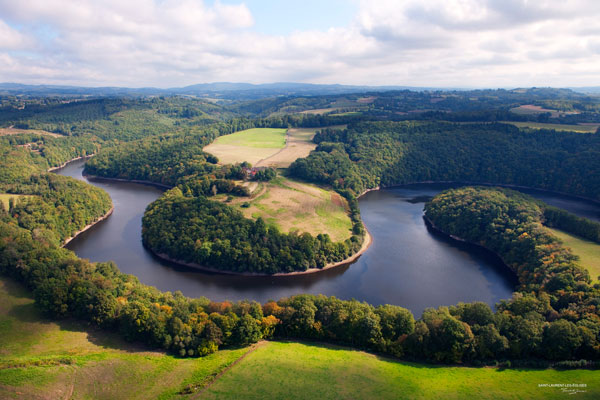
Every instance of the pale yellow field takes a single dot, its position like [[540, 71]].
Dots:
[[291, 205], [231, 154], [4, 198], [299, 144], [14, 131], [318, 111]]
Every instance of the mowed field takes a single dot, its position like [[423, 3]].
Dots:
[[588, 252], [251, 145], [15, 131], [557, 127], [292, 205], [43, 359], [299, 145]]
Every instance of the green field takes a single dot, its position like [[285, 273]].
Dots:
[[556, 127], [44, 359], [258, 137], [251, 145], [307, 371], [588, 252], [292, 205]]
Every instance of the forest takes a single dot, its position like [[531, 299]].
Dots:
[[371, 154], [551, 319], [208, 233]]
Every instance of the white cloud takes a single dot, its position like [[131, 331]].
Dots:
[[405, 42]]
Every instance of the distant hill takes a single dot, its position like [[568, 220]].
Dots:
[[222, 90]]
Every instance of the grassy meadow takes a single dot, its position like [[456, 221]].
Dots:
[[307, 371], [292, 205], [45, 359], [257, 137], [588, 252]]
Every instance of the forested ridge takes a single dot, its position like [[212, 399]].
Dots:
[[562, 317], [196, 230], [369, 154]]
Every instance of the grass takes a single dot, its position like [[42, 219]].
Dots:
[[40, 358], [251, 145], [302, 371], [299, 145], [4, 198], [257, 137], [588, 252], [292, 205], [43, 359], [556, 127]]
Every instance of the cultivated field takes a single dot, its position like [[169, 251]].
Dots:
[[42, 359], [251, 145], [14, 131], [557, 127], [530, 109], [291, 205], [588, 252], [299, 145]]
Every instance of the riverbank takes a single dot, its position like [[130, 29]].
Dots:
[[69, 161], [433, 227], [367, 241], [88, 226], [85, 228], [488, 184], [150, 183]]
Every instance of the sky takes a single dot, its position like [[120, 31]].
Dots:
[[174, 43]]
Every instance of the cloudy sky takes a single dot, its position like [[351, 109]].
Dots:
[[168, 43]]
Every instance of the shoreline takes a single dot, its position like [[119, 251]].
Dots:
[[88, 226], [367, 241], [142, 182], [99, 219], [502, 185], [52, 169], [434, 227]]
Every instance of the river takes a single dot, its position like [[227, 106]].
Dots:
[[407, 264]]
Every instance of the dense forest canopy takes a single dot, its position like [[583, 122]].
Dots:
[[369, 154]]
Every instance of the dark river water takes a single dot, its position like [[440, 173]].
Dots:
[[407, 264]]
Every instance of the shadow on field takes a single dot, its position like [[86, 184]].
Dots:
[[28, 313]]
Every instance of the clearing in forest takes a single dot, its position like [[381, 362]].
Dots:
[[588, 128], [292, 205], [251, 145], [15, 131], [588, 252], [299, 145], [5, 198]]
